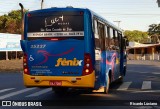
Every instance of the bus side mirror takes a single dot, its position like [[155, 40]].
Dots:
[[127, 43]]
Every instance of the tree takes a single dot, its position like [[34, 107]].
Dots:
[[154, 29], [11, 23], [137, 36], [154, 32]]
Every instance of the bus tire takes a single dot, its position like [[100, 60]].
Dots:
[[106, 88], [60, 90]]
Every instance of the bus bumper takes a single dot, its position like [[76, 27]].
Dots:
[[87, 81]]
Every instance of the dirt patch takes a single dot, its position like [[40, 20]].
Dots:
[[11, 65]]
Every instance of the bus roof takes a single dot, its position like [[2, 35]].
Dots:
[[77, 9]]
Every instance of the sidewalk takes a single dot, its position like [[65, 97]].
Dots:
[[144, 62]]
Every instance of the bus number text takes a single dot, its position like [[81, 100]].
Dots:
[[38, 46]]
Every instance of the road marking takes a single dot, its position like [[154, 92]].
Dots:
[[40, 92], [146, 85], [4, 90], [124, 86], [15, 93], [158, 91], [137, 71], [156, 73]]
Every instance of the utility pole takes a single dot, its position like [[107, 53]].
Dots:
[[42, 4], [158, 1], [22, 21], [118, 22]]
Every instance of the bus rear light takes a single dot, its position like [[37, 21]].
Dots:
[[25, 64], [81, 13], [25, 70], [87, 65], [24, 60], [88, 68], [88, 60], [55, 39], [29, 14]]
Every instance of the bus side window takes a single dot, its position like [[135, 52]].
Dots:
[[107, 37], [120, 39], [101, 33], [112, 43], [116, 40], [97, 41]]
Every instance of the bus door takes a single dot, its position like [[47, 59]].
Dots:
[[114, 54], [121, 53], [100, 54], [117, 50]]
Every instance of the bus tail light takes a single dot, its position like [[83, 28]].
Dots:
[[29, 15], [88, 67], [25, 64]]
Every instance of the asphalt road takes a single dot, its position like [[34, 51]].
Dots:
[[141, 84]]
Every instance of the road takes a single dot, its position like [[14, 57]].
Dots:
[[142, 82]]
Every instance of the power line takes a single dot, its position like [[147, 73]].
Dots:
[[131, 14]]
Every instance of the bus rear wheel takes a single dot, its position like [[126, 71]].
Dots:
[[106, 88]]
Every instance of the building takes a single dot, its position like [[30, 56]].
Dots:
[[139, 51], [10, 46]]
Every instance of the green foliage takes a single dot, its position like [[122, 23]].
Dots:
[[154, 32], [137, 36], [11, 23], [154, 29]]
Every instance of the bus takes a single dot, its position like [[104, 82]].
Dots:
[[71, 48]]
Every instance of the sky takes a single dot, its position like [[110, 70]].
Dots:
[[132, 14]]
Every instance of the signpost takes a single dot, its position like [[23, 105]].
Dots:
[[10, 42]]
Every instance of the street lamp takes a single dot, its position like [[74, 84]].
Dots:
[[22, 21], [42, 4], [118, 22], [158, 1]]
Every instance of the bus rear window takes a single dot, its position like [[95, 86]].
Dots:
[[61, 25]]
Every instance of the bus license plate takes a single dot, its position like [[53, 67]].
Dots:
[[55, 83]]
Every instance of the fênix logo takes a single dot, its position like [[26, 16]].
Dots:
[[65, 62]]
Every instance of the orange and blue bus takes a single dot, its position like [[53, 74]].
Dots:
[[71, 48]]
